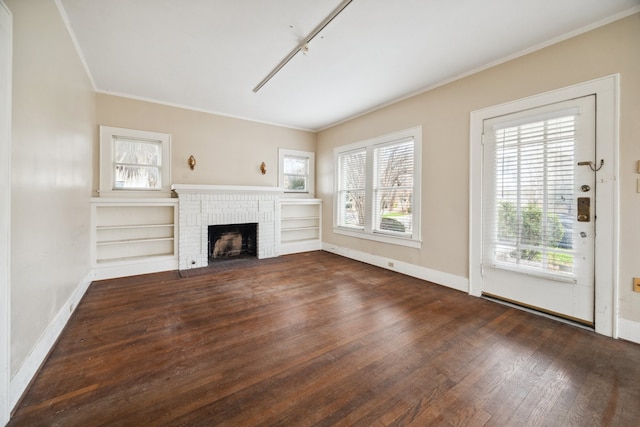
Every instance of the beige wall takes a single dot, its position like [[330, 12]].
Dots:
[[443, 114], [53, 130], [228, 151]]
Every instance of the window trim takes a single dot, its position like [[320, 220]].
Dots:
[[415, 240], [107, 172], [310, 156]]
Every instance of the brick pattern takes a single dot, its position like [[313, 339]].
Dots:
[[197, 211]]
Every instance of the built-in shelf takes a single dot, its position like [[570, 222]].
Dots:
[[144, 239], [115, 227], [300, 225], [132, 233]]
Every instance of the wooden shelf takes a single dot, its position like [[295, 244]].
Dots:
[[300, 228], [299, 218], [133, 231], [135, 258], [124, 227], [300, 225], [141, 240]]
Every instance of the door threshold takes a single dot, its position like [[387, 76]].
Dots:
[[589, 326]]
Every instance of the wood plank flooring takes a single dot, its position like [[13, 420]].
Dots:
[[317, 339]]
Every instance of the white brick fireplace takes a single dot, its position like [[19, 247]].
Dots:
[[200, 206]]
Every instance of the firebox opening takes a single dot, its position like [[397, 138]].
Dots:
[[233, 241]]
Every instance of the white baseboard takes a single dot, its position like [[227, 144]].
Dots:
[[629, 330], [30, 367], [133, 269], [445, 279], [294, 248]]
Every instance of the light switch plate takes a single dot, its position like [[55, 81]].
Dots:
[[636, 284]]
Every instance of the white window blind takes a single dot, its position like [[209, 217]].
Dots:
[[378, 188], [532, 165], [393, 187], [351, 188], [137, 163]]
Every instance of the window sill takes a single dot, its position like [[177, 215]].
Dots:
[[298, 195], [134, 193], [400, 241]]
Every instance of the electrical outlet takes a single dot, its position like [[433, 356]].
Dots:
[[636, 284]]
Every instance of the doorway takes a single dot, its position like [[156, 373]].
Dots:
[[553, 260], [538, 227]]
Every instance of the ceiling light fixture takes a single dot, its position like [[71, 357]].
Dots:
[[304, 45]]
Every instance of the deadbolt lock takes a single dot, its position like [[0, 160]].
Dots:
[[584, 209]]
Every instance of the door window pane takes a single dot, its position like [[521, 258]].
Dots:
[[534, 171]]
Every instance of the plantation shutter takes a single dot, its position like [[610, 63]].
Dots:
[[351, 188], [529, 165], [393, 187]]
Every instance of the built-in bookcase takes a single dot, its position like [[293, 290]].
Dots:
[[301, 225], [130, 233]]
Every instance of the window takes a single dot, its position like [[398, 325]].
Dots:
[[351, 193], [296, 171], [378, 188], [134, 161], [533, 169]]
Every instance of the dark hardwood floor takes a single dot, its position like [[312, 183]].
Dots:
[[317, 339]]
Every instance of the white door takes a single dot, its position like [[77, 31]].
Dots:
[[538, 201]]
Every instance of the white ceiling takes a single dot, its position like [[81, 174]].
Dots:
[[209, 54]]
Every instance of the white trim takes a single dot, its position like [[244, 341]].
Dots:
[[298, 247], [152, 265], [6, 25], [555, 40], [106, 164], [39, 354], [378, 237], [367, 232], [629, 330], [205, 188], [434, 276], [607, 91], [311, 171]]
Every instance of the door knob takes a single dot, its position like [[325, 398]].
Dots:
[[585, 188]]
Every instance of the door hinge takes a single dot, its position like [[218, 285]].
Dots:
[[482, 139], [481, 270]]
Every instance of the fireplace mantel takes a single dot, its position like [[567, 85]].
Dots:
[[213, 189]]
